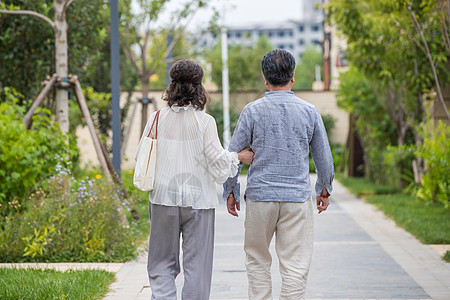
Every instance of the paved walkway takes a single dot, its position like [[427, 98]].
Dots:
[[358, 254]]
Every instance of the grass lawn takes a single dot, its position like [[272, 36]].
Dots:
[[429, 223], [50, 284], [361, 186], [447, 256]]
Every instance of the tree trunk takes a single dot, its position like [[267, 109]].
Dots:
[[128, 130], [402, 134], [61, 63]]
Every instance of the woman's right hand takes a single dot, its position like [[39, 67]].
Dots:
[[246, 156]]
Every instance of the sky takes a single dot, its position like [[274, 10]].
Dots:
[[243, 12], [246, 12]]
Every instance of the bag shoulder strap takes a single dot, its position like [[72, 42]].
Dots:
[[156, 128]]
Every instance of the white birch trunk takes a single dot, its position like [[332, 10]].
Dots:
[[61, 63]]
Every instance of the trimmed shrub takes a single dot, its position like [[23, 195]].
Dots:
[[435, 151], [27, 156], [69, 220]]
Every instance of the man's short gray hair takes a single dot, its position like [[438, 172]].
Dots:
[[278, 67]]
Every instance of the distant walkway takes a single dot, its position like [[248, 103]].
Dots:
[[358, 254]]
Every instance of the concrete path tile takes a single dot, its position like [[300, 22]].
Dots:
[[358, 254]]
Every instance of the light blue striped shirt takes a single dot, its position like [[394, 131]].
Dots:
[[281, 129]]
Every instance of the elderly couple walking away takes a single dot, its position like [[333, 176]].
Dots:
[[274, 135]]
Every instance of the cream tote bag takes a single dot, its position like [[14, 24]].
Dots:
[[144, 172]]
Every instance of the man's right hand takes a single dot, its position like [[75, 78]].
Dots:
[[322, 201], [233, 206]]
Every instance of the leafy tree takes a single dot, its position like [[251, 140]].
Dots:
[[84, 41], [385, 46], [182, 49], [401, 49], [27, 45], [142, 29], [436, 11], [244, 63], [305, 72], [374, 127]]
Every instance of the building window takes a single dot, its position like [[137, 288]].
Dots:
[[315, 27], [281, 46], [301, 28], [280, 33], [316, 42], [301, 42], [238, 34], [291, 46], [291, 33], [270, 33], [228, 35]]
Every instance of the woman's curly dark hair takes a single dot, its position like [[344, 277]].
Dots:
[[186, 85]]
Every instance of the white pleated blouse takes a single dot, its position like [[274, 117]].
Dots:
[[190, 159]]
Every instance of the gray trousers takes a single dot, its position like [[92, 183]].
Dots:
[[197, 229]]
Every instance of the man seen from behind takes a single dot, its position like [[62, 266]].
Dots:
[[281, 129]]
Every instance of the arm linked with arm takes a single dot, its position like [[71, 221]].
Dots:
[[321, 154], [241, 139]]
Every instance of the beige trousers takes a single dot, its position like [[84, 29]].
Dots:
[[293, 225]]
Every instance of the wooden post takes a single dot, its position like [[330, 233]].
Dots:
[[48, 86], [87, 116]]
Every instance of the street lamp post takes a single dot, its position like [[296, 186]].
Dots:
[[115, 83], [225, 89]]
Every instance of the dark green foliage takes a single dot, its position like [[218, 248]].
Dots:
[[375, 128], [305, 72], [397, 166], [446, 256], [26, 47], [391, 81], [27, 157], [330, 123], [27, 43], [74, 220], [436, 178], [215, 109]]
